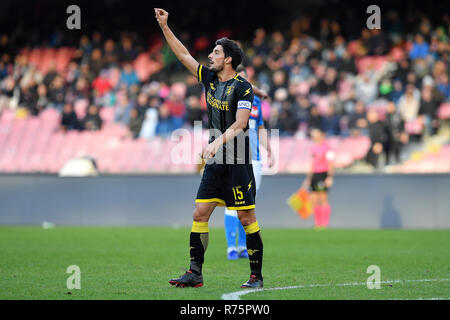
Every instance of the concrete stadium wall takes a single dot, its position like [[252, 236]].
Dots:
[[358, 201]]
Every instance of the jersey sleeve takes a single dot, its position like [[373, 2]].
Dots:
[[204, 74], [245, 96], [257, 103]]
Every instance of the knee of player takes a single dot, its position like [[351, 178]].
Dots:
[[246, 220], [198, 215]]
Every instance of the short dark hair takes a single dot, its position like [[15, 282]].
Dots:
[[231, 49]]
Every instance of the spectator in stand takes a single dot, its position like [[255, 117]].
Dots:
[[328, 83], [194, 87], [73, 72], [315, 119], [110, 58], [133, 92], [86, 73], [397, 92], [396, 135], [148, 130], [347, 64], [177, 109], [123, 108], [286, 120], [259, 42], [3, 70], [135, 123], [378, 137], [378, 44], [97, 40], [419, 49], [9, 93], [428, 111], [128, 76], [84, 50], [127, 52], [141, 104], [96, 62], [82, 90], [69, 119], [279, 81], [165, 126], [366, 88], [51, 74], [194, 110], [412, 79], [101, 84], [443, 86], [357, 120], [331, 122], [42, 100], [408, 104], [92, 120], [28, 98], [57, 93], [402, 71], [302, 108]]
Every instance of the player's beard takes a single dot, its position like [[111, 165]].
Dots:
[[217, 68]]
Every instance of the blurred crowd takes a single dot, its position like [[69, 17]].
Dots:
[[313, 78]]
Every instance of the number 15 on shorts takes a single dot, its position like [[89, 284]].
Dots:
[[238, 195]]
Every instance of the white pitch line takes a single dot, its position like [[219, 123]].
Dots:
[[237, 294]]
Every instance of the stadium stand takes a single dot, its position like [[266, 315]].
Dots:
[[141, 95]]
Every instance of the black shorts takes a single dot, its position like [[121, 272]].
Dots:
[[318, 182], [230, 185]]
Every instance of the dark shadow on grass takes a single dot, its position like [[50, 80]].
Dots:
[[390, 217]]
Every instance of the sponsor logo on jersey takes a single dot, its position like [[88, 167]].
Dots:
[[255, 112], [216, 103]]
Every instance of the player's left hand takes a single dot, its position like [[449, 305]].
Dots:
[[328, 182]]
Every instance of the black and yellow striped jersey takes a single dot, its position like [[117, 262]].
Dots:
[[223, 100]]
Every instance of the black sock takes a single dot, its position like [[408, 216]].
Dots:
[[255, 253], [198, 244]]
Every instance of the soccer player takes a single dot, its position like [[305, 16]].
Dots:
[[256, 125], [228, 175], [320, 177]]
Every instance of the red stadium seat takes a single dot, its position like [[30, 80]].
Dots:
[[414, 126], [107, 114], [444, 111]]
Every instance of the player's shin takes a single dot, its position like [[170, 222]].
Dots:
[[231, 222], [254, 248], [198, 244], [242, 239]]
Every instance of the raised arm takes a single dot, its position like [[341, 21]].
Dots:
[[177, 47]]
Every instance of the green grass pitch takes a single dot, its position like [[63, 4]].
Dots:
[[136, 263]]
